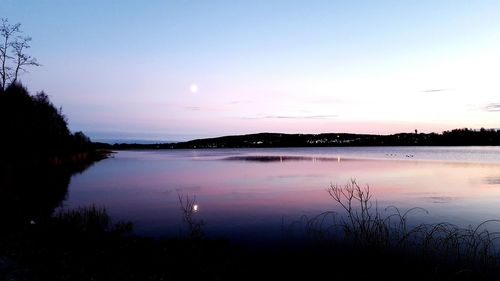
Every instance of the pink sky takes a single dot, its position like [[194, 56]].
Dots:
[[176, 70]]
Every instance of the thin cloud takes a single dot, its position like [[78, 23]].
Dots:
[[435, 90], [237, 102], [327, 100], [202, 108], [492, 107], [300, 117], [193, 108]]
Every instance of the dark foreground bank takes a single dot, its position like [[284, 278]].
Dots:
[[85, 244]]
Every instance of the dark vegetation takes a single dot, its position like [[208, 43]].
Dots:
[[39, 154], [85, 244], [457, 137], [435, 250], [33, 127]]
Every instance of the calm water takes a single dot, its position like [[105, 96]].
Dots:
[[248, 193]]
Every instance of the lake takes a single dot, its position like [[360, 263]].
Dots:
[[250, 194]]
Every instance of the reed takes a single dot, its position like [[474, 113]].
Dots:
[[189, 208], [362, 225], [91, 219]]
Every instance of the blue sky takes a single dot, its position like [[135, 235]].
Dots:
[[184, 69]]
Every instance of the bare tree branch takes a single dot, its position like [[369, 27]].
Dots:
[[13, 58], [23, 59]]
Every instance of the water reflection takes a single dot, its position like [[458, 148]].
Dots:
[[492, 180], [280, 158], [440, 199], [29, 191], [247, 194]]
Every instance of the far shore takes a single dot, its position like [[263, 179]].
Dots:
[[457, 137]]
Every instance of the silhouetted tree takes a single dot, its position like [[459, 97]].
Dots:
[[38, 155], [13, 59], [81, 141], [32, 124]]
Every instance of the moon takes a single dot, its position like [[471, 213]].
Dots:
[[193, 88]]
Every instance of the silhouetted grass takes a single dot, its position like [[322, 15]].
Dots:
[[91, 219], [364, 228]]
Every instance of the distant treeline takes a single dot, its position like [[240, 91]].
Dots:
[[457, 137]]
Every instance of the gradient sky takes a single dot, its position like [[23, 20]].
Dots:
[[177, 70]]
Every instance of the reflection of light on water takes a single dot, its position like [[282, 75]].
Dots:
[[338, 159], [195, 208], [281, 159]]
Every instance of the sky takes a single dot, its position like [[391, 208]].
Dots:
[[179, 70]]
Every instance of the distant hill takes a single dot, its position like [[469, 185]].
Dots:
[[457, 137], [129, 141]]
